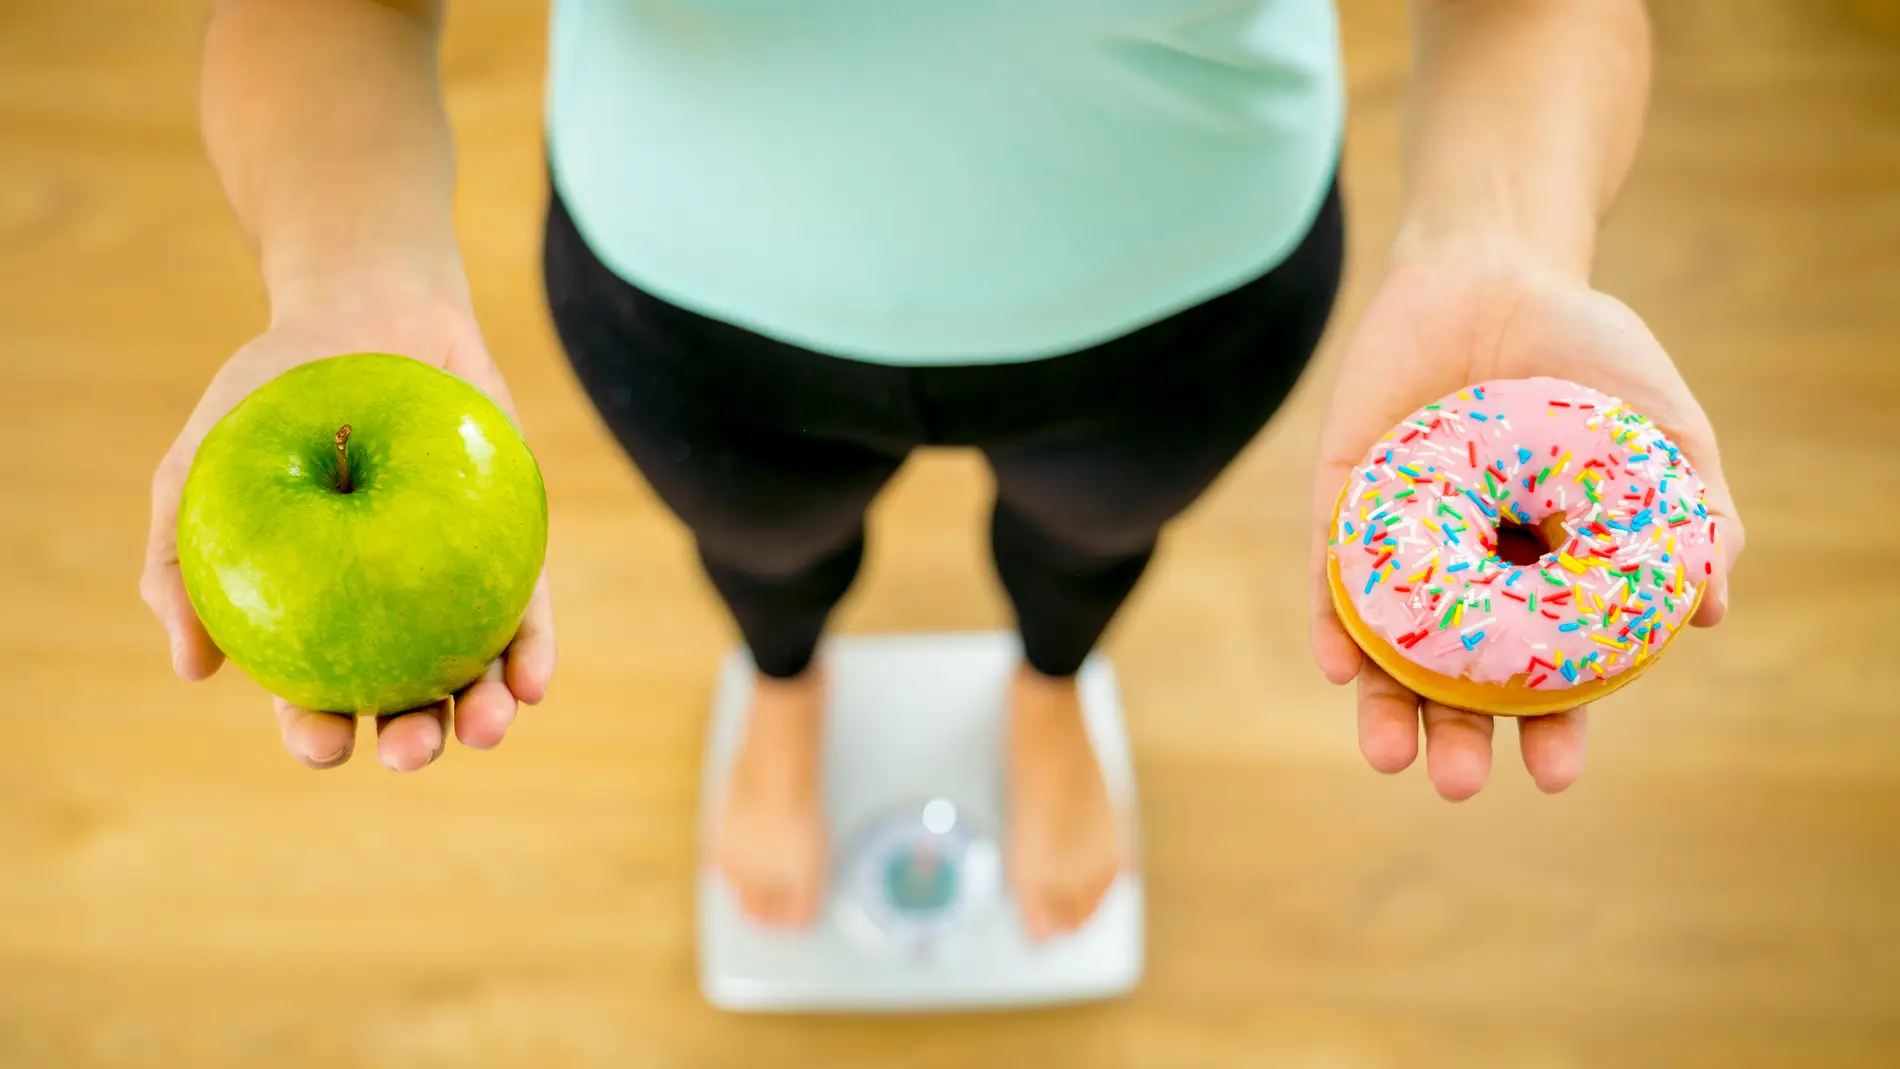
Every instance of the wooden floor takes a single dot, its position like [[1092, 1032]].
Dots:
[[1723, 888]]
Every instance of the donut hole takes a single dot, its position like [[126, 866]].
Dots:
[[1520, 544]]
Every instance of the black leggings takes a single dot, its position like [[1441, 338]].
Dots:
[[771, 453]]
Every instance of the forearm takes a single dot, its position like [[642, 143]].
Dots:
[[325, 123], [1523, 119]]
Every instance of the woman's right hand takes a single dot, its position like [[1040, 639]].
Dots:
[[446, 336]]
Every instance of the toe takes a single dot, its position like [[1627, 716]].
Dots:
[[1097, 893], [755, 899], [773, 902], [1037, 921], [1068, 910], [801, 904]]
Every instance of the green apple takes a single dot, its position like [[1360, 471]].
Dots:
[[362, 534]]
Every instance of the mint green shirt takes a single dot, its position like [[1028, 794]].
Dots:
[[943, 181]]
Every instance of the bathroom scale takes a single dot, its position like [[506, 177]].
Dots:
[[917, 914]]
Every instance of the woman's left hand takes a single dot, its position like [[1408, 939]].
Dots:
[[1436, 326]]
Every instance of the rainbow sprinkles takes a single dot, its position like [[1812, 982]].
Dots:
[[1631, 543]]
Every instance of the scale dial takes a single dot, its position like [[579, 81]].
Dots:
[[915, 876]]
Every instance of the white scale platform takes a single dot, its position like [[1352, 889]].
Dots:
[[918, 916]]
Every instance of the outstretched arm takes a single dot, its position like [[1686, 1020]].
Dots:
[[324, 120], [1523, 118]]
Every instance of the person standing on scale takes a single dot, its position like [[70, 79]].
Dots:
[[1098, 240]]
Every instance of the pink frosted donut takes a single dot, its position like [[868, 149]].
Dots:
[[1521, 546]]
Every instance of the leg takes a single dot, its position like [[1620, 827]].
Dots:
[[1077, 516], [720, 425], [778, 522], [781, 566], [1074, 527], [781, 563]]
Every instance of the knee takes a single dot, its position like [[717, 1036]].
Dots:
[[770, 550], [1077, 539]]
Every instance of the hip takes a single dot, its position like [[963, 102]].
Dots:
[[1242, 348]]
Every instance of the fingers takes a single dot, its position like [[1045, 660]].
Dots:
[[194, 656], [481, 715], [1553, 747], [1457, 751], [1388, 721], [319, 740], [531, 657], [405, 742], [1458, 743], [484, 710], [409, 741]]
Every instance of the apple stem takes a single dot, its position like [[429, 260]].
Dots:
[[343, 460]]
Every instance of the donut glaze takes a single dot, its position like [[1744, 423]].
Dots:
[[1630, 541]]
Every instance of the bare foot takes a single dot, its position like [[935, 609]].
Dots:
[[1065, 847], [770, 839]]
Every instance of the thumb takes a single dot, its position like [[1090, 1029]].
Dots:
[[531, 656], [468, 357], [1681, 417], [162, 585], [1730, 535], [1334, 650]]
